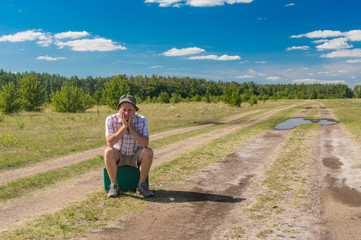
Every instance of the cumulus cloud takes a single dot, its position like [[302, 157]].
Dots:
[[92, 45], [319, 34], [215, 57], [244, 76], [46, 39], [312, 80], [47, 58], [298, 48], [354, 61], [343, 53], [290, 4], [273, 78], [29, 35], [183, 51], [70, 34], [334, 44], [195, 3]]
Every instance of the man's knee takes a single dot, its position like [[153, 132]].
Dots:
[[110, 155], [148, 153]]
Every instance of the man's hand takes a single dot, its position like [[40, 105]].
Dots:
[[127, 123]]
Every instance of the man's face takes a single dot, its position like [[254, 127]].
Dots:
[[127, 109]]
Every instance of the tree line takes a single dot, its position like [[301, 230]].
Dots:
[[31, 90]]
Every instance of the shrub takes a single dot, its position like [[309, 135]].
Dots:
[[176, 98], [71, 99], [163, 97], [9, 99], [32, 93]]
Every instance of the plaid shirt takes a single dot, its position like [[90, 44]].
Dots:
[[127, 145]]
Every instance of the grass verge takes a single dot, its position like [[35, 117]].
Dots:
[[82, 217]]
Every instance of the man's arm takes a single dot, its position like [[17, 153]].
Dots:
[[114, 138], [142, 140]]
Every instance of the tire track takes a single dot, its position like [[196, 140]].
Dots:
[[340, 165]]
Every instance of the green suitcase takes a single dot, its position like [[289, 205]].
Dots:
[[127, 177]]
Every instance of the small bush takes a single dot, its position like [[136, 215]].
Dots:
[[9, 99], [71, 99]]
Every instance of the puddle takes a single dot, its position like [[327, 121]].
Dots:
[[294, 122]]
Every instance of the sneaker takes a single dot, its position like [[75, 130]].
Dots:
[[144, 190], [114, 190]]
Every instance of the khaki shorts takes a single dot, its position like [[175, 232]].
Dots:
[[128, 160]]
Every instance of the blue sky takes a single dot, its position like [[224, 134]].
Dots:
[[266, 41]]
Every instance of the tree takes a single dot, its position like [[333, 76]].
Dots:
[[114, 90], [232, 95], [9, 99], [32, 93], [163, 97], [71, 99]]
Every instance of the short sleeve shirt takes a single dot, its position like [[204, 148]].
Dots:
[[127, 144]]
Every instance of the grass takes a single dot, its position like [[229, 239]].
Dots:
[[29, 138], [314, 113], [96, 210], [348, 112]]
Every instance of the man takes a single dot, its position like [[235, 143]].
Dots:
[[127, 139]]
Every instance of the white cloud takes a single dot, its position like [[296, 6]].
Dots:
[[156, 66], [290, 4], [298, 48], [344, 53], [45, 39], [353, 35], [319, 34], [47, 58], [183, 51], [273, 78], [215, 57], [354, 61], [29, 35], [70, 34], [253, 72], [92, 45], [244, 76], [312, 80], [334, 44], [195, 3], [210, 3], [165, 3], [261, 62]]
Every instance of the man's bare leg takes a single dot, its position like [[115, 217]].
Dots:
[[110, 160], [146, 160]]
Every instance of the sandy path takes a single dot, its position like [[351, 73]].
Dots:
[[340, 164], [84, 156], [53, 198]]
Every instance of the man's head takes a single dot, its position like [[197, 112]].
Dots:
[[127, 105]]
